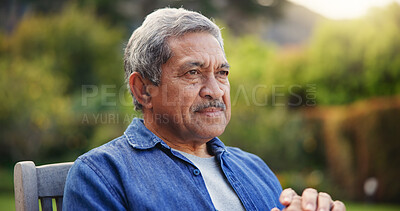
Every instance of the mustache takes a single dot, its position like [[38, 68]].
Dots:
[[213, 103]]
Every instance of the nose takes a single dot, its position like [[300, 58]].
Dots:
[[211, 89]]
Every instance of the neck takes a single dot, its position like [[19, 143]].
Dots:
[[200, 150]]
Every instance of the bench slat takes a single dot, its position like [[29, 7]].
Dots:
[[51, 179]]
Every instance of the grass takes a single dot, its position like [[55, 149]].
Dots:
[[353, 206], [7, 203]]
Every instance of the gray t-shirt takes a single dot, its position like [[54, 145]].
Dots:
[[221, 192]]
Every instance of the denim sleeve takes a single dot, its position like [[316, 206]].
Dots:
[[87, 189]]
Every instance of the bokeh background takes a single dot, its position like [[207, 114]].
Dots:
[[318, 98]]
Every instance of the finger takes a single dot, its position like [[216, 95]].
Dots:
[[338, 206], [324, 202], [287, 196], [275, 209], [295, 205], [309, 199]]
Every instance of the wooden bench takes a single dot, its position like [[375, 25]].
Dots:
[[45, 183]]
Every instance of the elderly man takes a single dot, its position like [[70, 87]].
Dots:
[[172, 159]]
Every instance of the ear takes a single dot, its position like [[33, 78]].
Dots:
[[138, 86]]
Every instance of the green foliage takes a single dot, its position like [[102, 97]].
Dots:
[[44, 63], [358, 59]]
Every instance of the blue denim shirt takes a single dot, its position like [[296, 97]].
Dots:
[[139, 171]]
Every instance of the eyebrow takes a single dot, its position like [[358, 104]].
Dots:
[[224, 65], [189, 65], [193, 64]]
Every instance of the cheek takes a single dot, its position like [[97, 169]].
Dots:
[[189, 94], [227, 100], [174, 95], [227, 93]]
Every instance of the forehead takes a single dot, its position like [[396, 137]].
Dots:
[[193, 44]]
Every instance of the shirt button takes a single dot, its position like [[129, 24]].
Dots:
[[196, 172]]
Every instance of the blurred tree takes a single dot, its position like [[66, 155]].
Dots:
[[353, 60], [351, 63], [44, 64], [240, 15]]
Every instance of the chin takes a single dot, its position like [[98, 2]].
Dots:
[[209, 133], [208, 128]]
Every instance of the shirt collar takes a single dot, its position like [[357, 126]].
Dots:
[[139, 137]]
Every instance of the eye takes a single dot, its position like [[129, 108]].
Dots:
[[192, 72], [223, 72]]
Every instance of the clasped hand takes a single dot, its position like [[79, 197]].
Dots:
[[310, 200]]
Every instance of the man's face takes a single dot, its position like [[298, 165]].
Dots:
[[192, 101]]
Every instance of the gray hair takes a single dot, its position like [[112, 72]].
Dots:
[[148, 49]]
